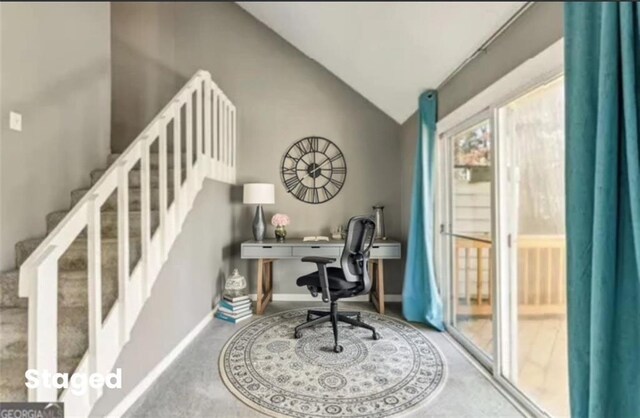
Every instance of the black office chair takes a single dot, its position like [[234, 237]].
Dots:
[[336, 283]]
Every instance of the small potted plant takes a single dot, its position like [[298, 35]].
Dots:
[[280, 221]]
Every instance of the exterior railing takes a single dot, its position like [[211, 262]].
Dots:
[[540, 275]]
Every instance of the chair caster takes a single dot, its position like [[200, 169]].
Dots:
[[337, 348], [297, 335], [376, 336]]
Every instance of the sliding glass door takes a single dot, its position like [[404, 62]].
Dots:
[[468, 232], [503, 242], [531, 130]]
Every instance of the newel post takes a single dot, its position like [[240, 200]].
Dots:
[[43, 323]]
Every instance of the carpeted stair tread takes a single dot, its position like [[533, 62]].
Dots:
[[72, 332], [109, 222], [134, 177], [153, 159], [111, 204], [12, 388], [9, 290], [72, 289], [12, 380], [75, 258]]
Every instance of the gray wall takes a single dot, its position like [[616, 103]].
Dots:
[[56, 73], [535, 30], [183, 293], [281, 96], [143, 66], [408, 141]]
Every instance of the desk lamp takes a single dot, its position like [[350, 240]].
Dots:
[[258, 194]]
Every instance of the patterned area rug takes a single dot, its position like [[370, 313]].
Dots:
[[269, 370]]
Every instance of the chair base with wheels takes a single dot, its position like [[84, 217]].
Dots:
[[334, 316]]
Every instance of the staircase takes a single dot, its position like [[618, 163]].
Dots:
[[72, 288], [84, 284]]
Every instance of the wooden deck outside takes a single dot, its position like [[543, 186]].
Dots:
[[542, 358], [542, 338]]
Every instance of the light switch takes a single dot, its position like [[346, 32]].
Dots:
[[15, 121]]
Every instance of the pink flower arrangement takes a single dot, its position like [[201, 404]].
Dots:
[[280, 219]]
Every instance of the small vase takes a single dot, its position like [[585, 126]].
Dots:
[[281, 233]]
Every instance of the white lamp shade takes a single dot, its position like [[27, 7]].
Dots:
[[258, 194]]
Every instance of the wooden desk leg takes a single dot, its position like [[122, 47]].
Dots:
[[259, 308], [372, 292], [380, 286], [265, 285], [376, 295]]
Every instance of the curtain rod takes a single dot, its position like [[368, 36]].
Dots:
[[483, 48]]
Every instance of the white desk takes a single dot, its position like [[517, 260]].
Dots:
[[270, 250]]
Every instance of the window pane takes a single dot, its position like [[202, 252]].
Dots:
[[471, 225], [533, 127]]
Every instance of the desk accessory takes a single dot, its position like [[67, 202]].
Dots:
[[280, 221], [318, 238], [234, 309], [258, 194], [237, 299], [379, 220], [227, 306], [336, 233], [234, 319], [313, 170], [235, 286]]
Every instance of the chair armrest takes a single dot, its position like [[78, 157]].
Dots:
[[318, 260], [321, 263]]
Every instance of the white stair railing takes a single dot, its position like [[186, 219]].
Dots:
[[214, 157]]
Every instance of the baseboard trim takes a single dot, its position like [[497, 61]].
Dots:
[[151, 377], [306, 297]]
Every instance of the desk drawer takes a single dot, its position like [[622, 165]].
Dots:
[[316, 251], [265, 251], [385, 251]]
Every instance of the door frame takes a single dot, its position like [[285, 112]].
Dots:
[[540, 70]]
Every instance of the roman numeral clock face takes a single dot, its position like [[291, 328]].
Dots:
[[313, 170]]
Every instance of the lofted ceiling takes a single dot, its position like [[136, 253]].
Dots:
[[389, 52]]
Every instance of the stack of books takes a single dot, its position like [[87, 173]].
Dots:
[[234, 309]]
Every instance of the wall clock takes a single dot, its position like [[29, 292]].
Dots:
[[313, 170]]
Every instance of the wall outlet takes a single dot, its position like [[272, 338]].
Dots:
[[15, 121]]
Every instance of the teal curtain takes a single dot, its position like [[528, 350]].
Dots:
[[420, 299], [602, 54]]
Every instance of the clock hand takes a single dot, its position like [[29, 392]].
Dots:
[[328, 160]]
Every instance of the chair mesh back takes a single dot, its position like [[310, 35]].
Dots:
[[355, 256]]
